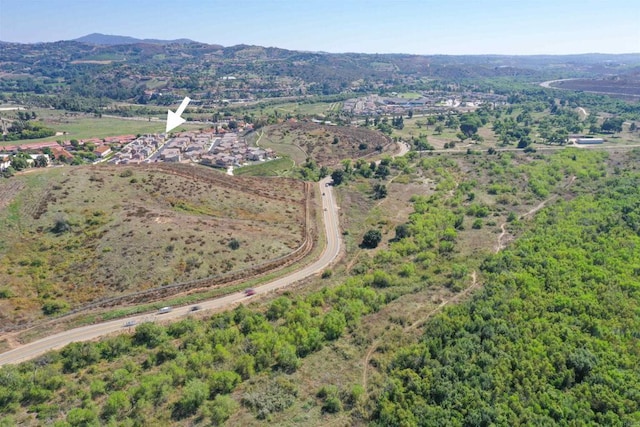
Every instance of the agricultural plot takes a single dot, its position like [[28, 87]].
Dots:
[[76, 235]]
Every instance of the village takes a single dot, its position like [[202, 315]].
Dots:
[[214, 148]]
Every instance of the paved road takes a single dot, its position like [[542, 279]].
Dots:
[[86, 333]]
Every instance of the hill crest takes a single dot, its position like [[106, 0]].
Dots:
[[108, 39]]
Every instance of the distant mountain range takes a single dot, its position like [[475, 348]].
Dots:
[[112, 40]]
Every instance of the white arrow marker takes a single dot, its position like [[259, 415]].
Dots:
[[173, 119]]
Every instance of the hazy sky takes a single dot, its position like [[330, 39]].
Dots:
[[370, 26]]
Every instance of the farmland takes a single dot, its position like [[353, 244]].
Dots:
[[74, 236], [623, 87]]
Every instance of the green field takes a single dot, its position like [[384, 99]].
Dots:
[[278, 167], [409, 95], [83, 126]]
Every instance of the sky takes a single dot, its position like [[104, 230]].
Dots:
[[454, 27]]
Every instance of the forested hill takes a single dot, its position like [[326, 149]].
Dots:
[[158, 72], [553, 338]]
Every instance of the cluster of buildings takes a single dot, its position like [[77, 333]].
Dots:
[[219, 150], [229, 150], [372, 105], [213, 147], [137, 151], [188, 146]]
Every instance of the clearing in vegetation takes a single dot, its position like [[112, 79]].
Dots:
[[326, 145]]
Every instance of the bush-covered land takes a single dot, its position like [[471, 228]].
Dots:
[[552, 337]]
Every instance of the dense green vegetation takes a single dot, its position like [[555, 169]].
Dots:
[[188, 368], [25, 128], [553, 337]]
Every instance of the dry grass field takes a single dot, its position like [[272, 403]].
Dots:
[[76, 235], [327, 145]]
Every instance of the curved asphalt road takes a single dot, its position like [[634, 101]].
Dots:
[[86, 333]]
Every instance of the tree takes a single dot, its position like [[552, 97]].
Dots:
[[337, 176], [461, 136], [8, 172], [439, 129], [19, 163], [41, 162], [371, 239], [470, 124], [402, 231], [379, 191], [234, 244], [612, 125], [383, 171], [524, 142], [61, 226]]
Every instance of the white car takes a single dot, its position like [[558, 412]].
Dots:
[[164, 310]]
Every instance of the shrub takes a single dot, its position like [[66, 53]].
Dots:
[[117, 406], [82, 417], [193, 395], [234, 244], [150, 334], [54, 306], [61, 226], [331, 399], [274, 396], [223, 382], [221, 409], [333, 325]]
